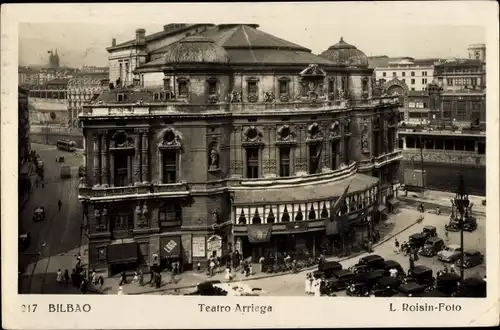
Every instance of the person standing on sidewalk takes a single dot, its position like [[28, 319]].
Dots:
[[59, 205], [123, 279], [396, 246], [261, 263], [66, 277], [141, 278]]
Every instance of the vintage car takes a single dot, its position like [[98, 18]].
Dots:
[[368, 263], [392, 264], [450, 253], [472, 287], [208, 288], [429, 231], [471, 258], [386, 286], [411, 289], [39, 213], [24, 240], [470, 224], [421, 274], [448, 283], [362, 284], [339, 280], [416, 241], [329, 267], [431, 247]]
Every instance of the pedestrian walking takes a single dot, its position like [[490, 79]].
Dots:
[[261, 263], [93, 276], [141, 277], [59, 276], [66, 277], [136, 277], [396, 246], [123, 279], [198, 267], [59, 204], [229, 275], [438, 210], [211, 267], [250, 269], [78, 261], [100, 281]]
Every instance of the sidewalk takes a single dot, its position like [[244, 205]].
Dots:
[[396, 224], [442, 199]]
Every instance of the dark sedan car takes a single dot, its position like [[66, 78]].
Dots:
[[339, 280], [471, 258]]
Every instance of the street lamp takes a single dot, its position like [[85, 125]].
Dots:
[[462, 205]]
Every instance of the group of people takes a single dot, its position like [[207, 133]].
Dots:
[[313, 286], [78, 278]]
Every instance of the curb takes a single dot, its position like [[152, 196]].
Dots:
[[412, 202], [288, 272]]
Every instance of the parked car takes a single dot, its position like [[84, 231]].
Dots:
[[472, 287], [448, 283], [429, 231], [471, 258], [24, 240], [416, 241], [363, 283], [431, 247], [368, 263], [39, 213], [421, 274], [339, 280], [470, 224], [386, 286], [411, 289], [450, 253], [329, 267]]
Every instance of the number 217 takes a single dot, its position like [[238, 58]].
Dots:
[[29, 308]]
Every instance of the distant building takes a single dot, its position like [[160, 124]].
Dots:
[[125, 57], [82, 88], [415, 73], [53, 60], [24, 144], [461, 74], [50, 102], [477, 52]]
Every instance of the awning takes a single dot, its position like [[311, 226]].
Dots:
[[259, 233], [382, 208], [321, 190], [122, 253], [170, 247], [393, 201]]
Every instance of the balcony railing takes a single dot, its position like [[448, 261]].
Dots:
[[136, 191]]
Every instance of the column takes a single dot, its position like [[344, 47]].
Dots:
[[137, 158], [129, 170], [160, 165], [145, 156], [84, 154], [111, 170], [404, 142], [96, 171], [104, 159]]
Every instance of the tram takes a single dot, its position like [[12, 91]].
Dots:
[[66, 145]]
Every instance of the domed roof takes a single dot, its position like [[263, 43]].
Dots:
[[195, 49], [344, 54]]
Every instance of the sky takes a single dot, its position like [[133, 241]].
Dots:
[[315, 26]]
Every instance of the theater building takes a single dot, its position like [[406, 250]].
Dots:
[[235, 139]]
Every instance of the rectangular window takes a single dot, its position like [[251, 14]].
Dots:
[[126, 71], [170, 215], [403, 74], [331, 87], [449, 82], [169, 167], [384, 74], [123, 221], [461, 110], [412, 73], [252, 163], [473, 81], [413, 81], [183, 88], [424, 73], [121, 72], [424, 80], [121, 169], [252, 91], [334, 163], [166, 84], [283, 87], [284, 161], [314, 157], [212, 87]]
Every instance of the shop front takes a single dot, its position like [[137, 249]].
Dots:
[[170, 251], [122, 257]]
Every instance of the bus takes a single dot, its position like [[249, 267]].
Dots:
[[66, 145]]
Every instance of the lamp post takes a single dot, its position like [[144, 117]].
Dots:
[[462, 204]]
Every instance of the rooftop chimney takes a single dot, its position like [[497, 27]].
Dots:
[[140, 35], [113, 42]]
